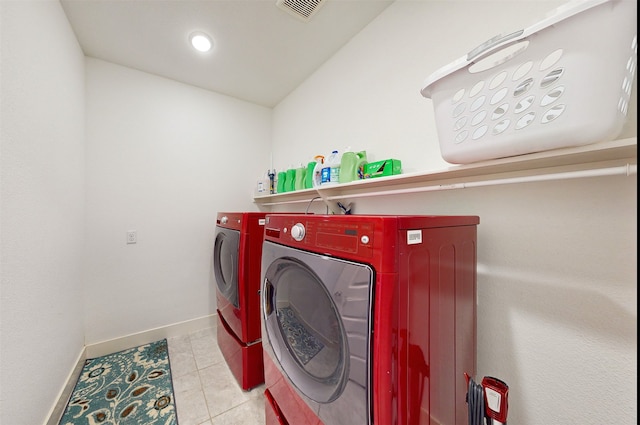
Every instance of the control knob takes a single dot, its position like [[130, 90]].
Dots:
[[224, 220], [297, 231]]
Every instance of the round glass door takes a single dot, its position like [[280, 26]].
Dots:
[[317, 326], [305, 328], [305, 322], [225, 263]]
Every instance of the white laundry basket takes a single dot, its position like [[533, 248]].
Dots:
[[565, 81]]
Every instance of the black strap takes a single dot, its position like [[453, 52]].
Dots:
[[475, 400]]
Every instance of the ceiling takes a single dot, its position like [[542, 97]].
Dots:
[[261, 52]]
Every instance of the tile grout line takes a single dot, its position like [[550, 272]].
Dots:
[[198, 339], [200, 388], [204, 397]]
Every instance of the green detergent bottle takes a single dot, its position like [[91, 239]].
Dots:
[[352, 166], [282, 180], [301, 174], [290, 183], [311, 172]]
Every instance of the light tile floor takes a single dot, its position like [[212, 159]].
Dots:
[[205, 390]]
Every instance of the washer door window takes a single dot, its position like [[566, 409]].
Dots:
[[316, 312], [225, 263]]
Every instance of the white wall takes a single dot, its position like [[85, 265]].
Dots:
[[42, 208], [557, 261], [557, 288], [79, 169], [162, 159]]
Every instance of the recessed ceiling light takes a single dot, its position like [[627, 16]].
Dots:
[[200, 41]]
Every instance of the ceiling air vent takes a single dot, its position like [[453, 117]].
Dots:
[[303, 9]]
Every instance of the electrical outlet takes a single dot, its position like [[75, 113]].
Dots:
[[132, 236]]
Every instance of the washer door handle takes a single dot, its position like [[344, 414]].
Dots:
[[267, 298]]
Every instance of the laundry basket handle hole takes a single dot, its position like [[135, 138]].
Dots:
[[495, 59]]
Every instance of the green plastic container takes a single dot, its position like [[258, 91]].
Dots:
[[290, 182], [352, 166], [301, 174], [282, 179], [311, 171]]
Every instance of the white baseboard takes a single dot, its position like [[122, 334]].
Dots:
[[119, 344], [58, 409]]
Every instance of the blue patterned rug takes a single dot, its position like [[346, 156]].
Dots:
[[131, 387]]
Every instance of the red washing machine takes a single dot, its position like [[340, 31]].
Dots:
[[236, 264], [368, 319]]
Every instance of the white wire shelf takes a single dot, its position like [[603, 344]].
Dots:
[[617, 157]]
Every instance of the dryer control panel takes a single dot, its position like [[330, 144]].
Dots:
[[334, 236]]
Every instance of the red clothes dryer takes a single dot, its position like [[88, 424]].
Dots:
[[368, 319], [236, 264]]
